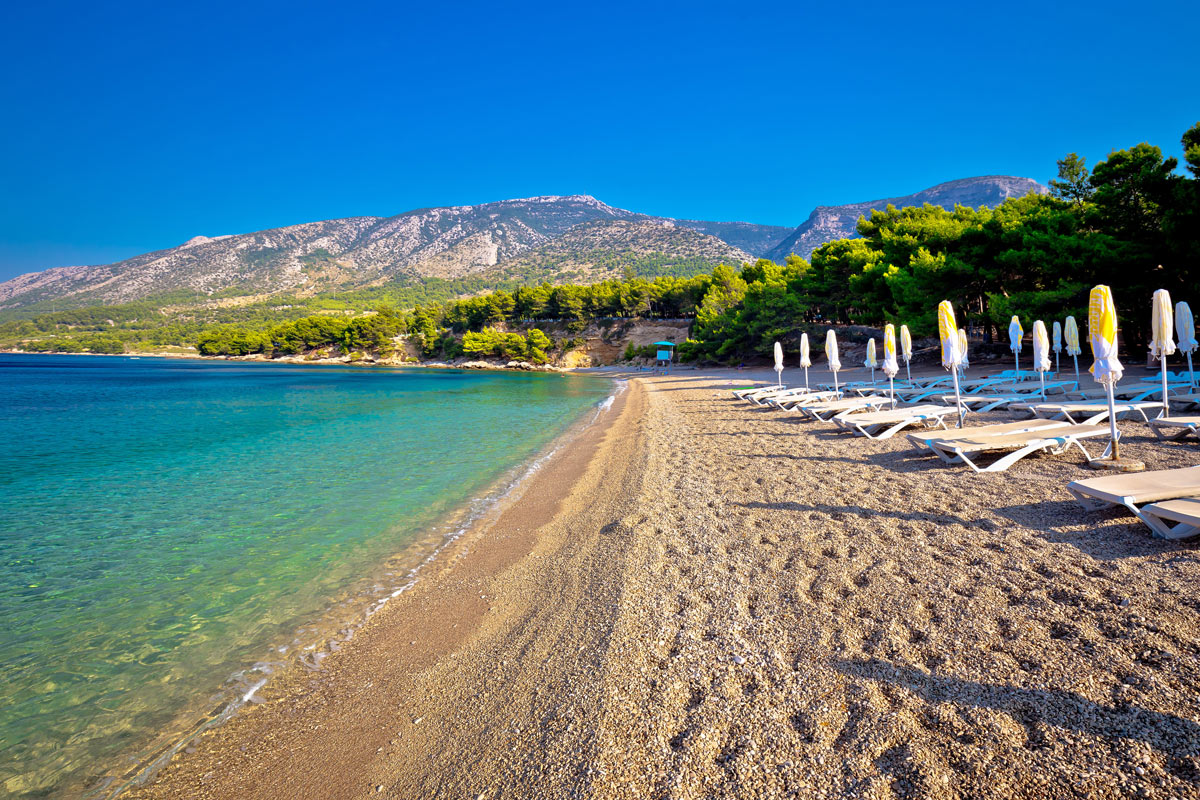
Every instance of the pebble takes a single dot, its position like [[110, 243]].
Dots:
[[739, 660]]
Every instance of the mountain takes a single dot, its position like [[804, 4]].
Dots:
[[828, 223], [357, 252]]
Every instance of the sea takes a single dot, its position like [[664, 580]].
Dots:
[[174, 532]]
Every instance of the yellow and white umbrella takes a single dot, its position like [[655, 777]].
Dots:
[[1185, 326], [779, 364], [1041, 353], [962, 345], [831, 353], [1162, 343], [1057, 334], [1106, 369], [890, 367], [951, 349], [1015, 333], [871, 361], [906, 349], [805, 361], [1071, 336]]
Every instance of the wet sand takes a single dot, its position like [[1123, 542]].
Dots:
[[706, 599]]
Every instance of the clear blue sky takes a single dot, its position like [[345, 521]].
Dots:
[[130, 127]]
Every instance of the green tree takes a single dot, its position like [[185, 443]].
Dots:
[[1072, 184]]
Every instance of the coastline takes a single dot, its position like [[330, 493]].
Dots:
[[421, 628], [728, 602]]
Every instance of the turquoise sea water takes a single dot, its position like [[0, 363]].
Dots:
[[167, 525]]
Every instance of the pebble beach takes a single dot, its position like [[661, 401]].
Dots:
[[701, 598]]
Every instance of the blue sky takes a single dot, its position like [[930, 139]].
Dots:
[[136, 126]]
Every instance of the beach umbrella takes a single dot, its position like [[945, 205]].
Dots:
[[1057, 343], [1041, 353], [805, 361], [890, 367], [1071, 335], [779, 364], [951, 355], [906, 349], [962, 345], [1014, 341], [871, 361], [1106, 369], [1186, 328], [831, 353], [1162, 323]]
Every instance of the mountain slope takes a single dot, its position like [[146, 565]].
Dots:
[[827, 223]]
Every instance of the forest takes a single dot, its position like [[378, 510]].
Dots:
[[1132, 222]]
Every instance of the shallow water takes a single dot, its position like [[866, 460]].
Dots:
[[165, 524]]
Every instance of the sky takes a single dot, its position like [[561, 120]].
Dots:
[[131, 127]]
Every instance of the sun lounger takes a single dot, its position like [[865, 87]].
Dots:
[[886, 424], [1185, 400], [1175, 427], [789, 399], [741, 392], [1016, 445], [761, 392], [981, 403], [1135, 489], [921, 439], [1096, 410], [1174, 519], [827, 410], [1134, 392]]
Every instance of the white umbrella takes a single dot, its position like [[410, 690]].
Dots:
[[779, 364], [1162, 323], [1107, 369], [1057, 343], [1186, 328], [1041, 353], [962, 345], [871, 361], [805, 361], [831, 353], [906, 349], [890, 367], [1014, 341], [951, 357], [1071, 335]]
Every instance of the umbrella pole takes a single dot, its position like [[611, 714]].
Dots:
[[908, 369], [892, 389], [957, 397], [836, 391], [872, 376], [1043, 377], [1055, 362], [1076, 368], [1017, 361], [806, 379], [779, 378], [1114, 449], [1166, 405], [1191, 371]]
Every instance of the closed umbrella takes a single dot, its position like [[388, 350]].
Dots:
[[1014, 341], [1162, 323], [890, 367], [831, 353], [948, 332], [962, 345], [1107, 369], [1057, 343], [1041, 353], [1071, 334], [906, 349], [871, 360], [779, 364], [1186, 328], [805, 361]]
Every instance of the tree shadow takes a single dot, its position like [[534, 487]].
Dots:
[[1111, 533], [1175, 737]]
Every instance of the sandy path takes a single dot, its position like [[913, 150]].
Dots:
[[733, 603]]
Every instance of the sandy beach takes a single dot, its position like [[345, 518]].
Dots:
[[700, 598]]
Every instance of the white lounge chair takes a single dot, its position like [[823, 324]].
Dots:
[[1016, 445], [982, 403], [886, 424], [1096, 410], [1174, 519], [789, 399], [1175, 427], [921, 439], [827, 410], [1136, 489]]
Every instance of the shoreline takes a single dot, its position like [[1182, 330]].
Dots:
[[498, 541]]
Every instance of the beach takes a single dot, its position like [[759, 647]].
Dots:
[[699, 598]]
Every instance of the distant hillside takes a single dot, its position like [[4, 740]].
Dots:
[[828, 223], [595, 251]]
